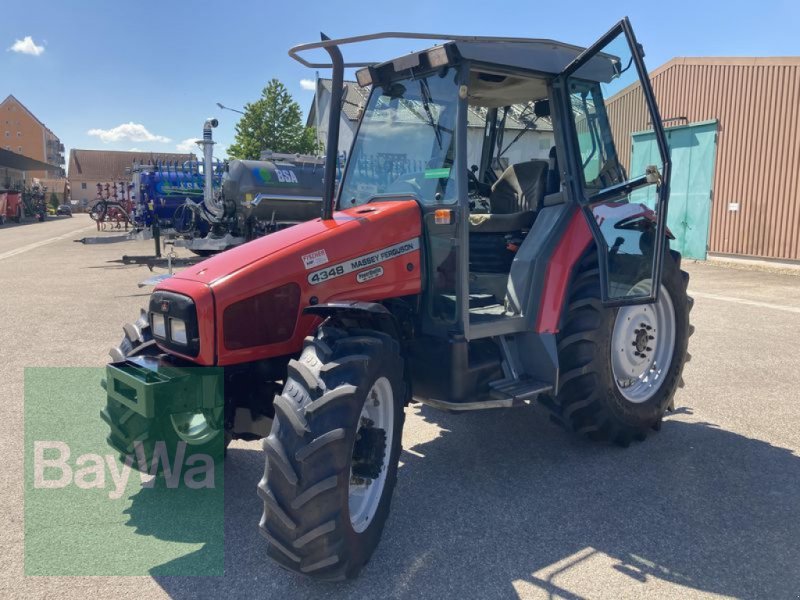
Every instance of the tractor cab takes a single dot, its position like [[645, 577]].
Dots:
[[517, 153], [486, 137]]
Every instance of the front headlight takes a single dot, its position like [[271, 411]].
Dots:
[[159, 325], [177, 331], [174, 321]]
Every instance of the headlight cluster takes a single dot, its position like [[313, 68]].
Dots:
[[177, 328], [173, 319]]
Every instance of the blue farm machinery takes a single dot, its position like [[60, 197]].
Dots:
[[208, 210]]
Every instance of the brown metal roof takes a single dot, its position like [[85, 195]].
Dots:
[[109, 165]]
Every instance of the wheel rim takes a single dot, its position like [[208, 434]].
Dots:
[[194, 428], [642, 346], [364, 492]]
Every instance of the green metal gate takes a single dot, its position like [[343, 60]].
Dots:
[[693, 149]]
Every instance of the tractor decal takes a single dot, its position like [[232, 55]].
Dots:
[[365, 260], [315, 259], [276, 177], [369, 274]]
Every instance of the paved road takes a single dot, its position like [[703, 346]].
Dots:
[[491, 505], [16, 239]]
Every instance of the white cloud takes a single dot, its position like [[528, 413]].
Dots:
[[134, 132], [27, 46], [135, 150], [308, 84], [188, 145]]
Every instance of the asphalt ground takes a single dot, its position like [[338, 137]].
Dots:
[[491, 505]]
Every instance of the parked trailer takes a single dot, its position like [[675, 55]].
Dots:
[[208, 211], [257, 197]]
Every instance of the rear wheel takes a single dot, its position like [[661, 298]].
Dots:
[[200, 431], [620, 367], [331, 458]]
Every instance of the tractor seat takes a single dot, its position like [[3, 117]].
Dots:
[[514, 200]]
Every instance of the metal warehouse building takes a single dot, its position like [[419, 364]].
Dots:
[[734, 134]]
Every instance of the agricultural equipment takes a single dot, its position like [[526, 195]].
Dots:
[[10, 206], [255, 198], [425, 279], [210, 210], [34, 200]]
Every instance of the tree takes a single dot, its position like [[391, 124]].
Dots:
[[273, 122], [54, 200]]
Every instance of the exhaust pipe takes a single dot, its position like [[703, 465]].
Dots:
[[207, 143]]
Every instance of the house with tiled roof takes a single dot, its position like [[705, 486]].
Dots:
[[532, 137], [87, 168]]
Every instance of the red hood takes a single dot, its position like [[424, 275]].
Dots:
[[313, 257], [225, 264]]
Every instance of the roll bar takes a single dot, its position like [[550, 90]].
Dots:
[[327, 42]]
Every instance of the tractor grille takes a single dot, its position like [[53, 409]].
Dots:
[[266, 318]]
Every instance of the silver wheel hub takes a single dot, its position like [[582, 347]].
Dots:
[[371, 454], [642, 345]]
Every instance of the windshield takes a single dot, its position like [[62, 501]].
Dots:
[[404, 143]]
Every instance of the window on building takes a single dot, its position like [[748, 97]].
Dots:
[[83, 185], [19, 134], [8, 134], [19, 148]]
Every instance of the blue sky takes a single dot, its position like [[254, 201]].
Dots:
[[100, 66]]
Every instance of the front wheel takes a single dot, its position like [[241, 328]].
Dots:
[[332, 455]]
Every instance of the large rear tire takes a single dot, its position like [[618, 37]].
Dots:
[[332, 455], [620, 367], [129, 427]]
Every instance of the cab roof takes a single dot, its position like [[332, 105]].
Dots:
[[543, 56]]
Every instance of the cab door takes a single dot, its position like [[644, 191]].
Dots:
[[606, 96]]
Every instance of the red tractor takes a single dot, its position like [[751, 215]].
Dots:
[[426, 279]]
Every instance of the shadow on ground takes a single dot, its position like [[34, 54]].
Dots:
[[505, 499]]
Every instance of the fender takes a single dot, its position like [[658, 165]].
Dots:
[[568, 253], [370, 315]]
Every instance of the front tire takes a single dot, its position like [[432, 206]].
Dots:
[[620, 367], [322, 517]]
